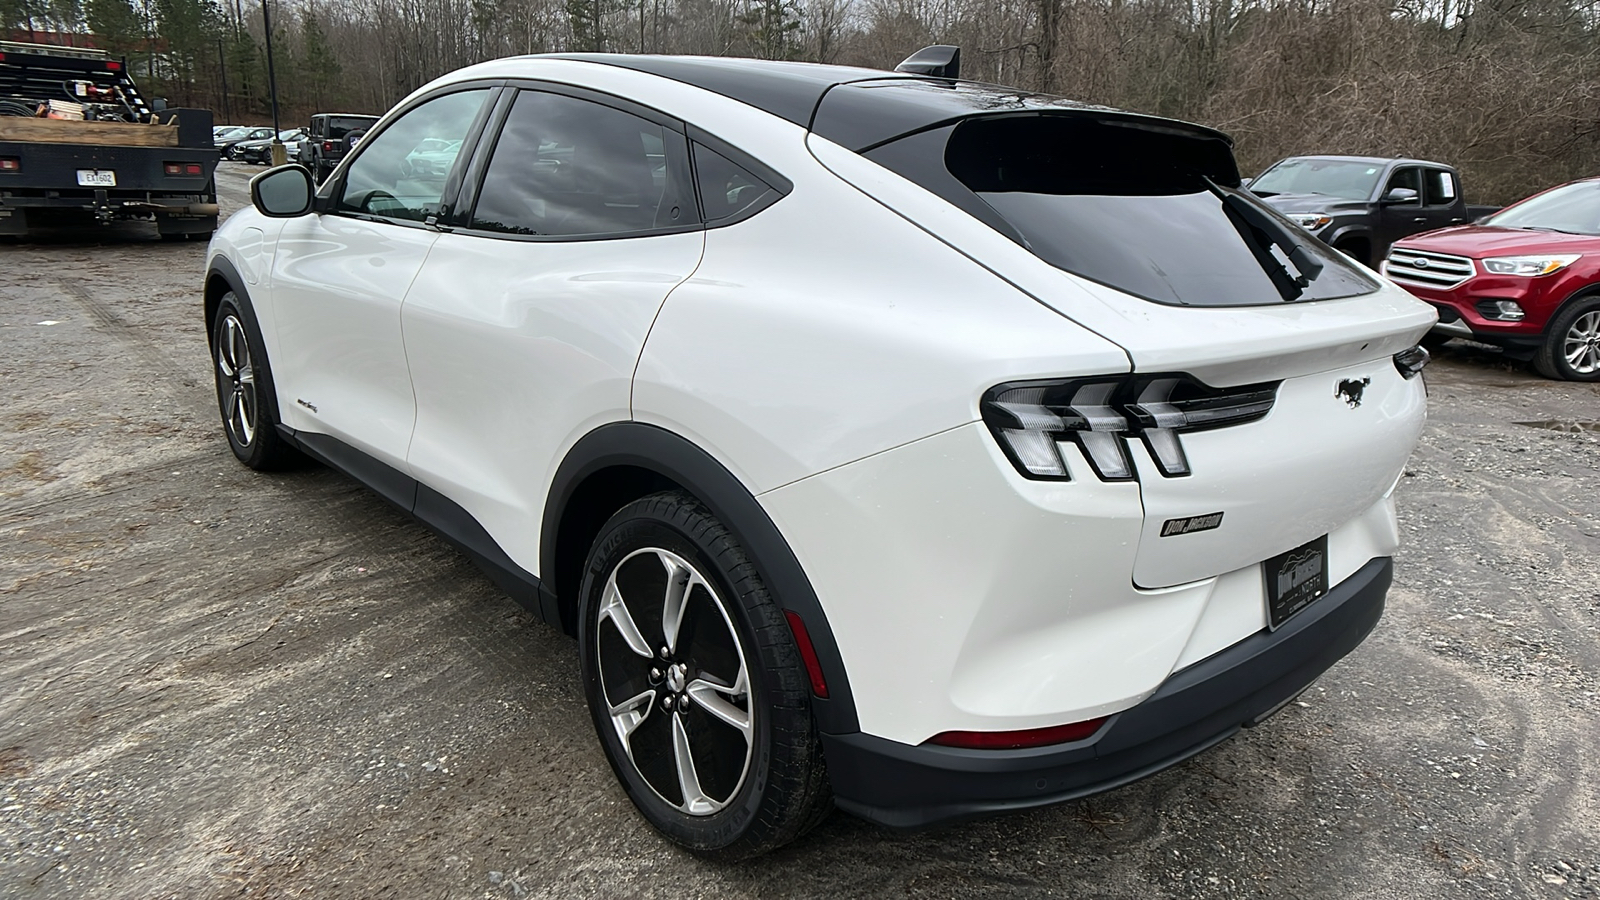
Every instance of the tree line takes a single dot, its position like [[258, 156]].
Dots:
[[1508, 90]]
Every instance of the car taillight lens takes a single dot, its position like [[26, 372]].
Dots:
[[1032, 420], [1019, 740], [1410, 362], [178, 168], [10, 164], [327, 146]]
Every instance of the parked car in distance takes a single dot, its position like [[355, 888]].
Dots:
[[919, 446], [1526, 279], [226, 142], [431, 159], [260, 151], [1359, 205], [329, 138]]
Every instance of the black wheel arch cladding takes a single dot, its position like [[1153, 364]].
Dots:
[[655, 458]]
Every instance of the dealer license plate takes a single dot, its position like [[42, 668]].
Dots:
[[97, 178], [1295, 579]]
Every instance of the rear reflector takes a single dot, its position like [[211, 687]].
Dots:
[[10, 164], [1018, 740], [808, 654]]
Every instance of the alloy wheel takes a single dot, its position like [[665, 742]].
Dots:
[[675, 681], [238, 379], [1581, 345]]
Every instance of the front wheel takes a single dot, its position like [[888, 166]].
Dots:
[[244, 386], [1571, 348], [696, 687]]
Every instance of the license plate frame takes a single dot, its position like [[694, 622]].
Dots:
[[97, 178], [1294, 580]]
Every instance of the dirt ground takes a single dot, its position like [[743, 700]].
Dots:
[[216, 683]]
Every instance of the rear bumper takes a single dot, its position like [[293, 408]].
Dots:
[[909, 787]]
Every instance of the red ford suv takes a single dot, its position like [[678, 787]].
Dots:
[[1526, 278]]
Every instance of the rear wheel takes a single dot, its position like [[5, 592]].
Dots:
[[695, 685], [1571, 348]]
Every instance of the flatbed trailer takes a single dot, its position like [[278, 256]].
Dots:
[[121, 160]]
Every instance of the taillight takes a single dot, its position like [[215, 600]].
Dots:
[[1019, 740], [178, 168], [1032, 420], [193, 169], [1410, 362], [10, 164], [327, 146], [114, 66], [173, 168]]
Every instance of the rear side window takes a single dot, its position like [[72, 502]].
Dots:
[[727, 189], [1144, 208], [1440, 187], [565, 167]]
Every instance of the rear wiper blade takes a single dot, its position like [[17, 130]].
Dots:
[[1253, 224]]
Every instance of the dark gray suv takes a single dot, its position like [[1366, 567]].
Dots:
[[328, 138]]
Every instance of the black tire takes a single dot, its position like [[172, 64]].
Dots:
[[244, 391], [1356, 249], [1571, 348], [747, 804]]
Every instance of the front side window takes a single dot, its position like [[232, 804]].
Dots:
[[565, 167], [385, 180], [1409, 178]]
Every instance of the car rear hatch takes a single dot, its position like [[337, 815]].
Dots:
[[1265, 386]]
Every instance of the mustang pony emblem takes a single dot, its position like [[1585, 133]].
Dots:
[[1351, 390]]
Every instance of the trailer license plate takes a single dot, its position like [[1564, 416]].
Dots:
[[97, 178], [1295, 579]]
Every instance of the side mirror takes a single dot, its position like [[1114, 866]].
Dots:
[[283, 193], [1399, 196]]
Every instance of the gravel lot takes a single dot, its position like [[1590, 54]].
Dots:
[[215, 683]]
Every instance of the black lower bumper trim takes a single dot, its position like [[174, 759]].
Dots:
[[909, 787]]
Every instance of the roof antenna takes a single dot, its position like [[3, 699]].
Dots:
[[939, 61]]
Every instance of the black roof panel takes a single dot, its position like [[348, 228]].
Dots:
[[860, 108], [789, 90]]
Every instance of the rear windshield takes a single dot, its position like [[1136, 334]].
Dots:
[[1148, 209], [339, 126]]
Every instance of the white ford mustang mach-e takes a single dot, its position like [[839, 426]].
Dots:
[[887, 440]]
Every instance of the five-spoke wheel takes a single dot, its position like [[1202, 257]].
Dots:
[[676, 683], [244, 389], [697, 689]]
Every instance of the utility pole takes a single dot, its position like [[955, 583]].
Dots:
[[280, 154], [222, 63]]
